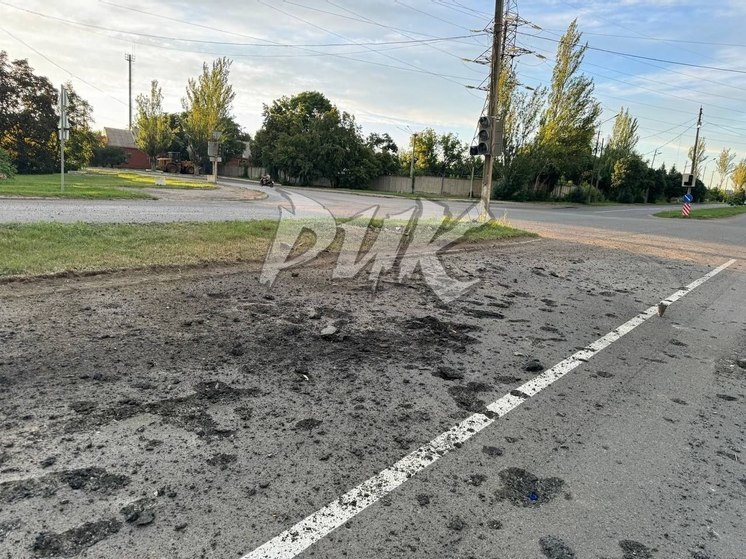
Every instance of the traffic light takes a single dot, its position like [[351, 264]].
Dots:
[[484, 136]]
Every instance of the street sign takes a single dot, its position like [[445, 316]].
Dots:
[[688, 198]]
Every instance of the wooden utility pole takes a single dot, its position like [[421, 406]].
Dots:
[[492, 110], [411, 163], [694, 153], [130, 58]]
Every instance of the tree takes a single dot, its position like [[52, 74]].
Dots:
[[738, 175], [153, 131], [519, 110], [7, 169], [629, 179], [83, 142], [305, 137], [624, 136], [28, 123], [207, 104], [725, 164], [701, 157], [386, 153], [437, 155], [568, 122]]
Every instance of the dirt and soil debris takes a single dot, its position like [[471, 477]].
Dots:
[[195, 413]]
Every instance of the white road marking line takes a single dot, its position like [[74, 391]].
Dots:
[[305, 533]]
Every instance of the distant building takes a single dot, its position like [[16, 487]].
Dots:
[[125, 139]]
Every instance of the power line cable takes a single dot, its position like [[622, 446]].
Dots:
[[260, 42], [671, 70], [640, 57], [68, 72], [405, 34], [423, 70], [649, 38]]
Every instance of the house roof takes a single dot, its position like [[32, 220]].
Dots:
[[120, 138]]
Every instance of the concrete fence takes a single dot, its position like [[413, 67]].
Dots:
[[428, 185], [423, 184]]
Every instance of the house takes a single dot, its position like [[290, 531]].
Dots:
[[125, 139]]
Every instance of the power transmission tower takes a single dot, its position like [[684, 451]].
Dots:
[[492, 109], [130, 58]]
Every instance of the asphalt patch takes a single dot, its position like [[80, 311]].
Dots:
[[554, 548], [187, 412], [493, 451], [74, 541], [84, 479], [635, 550], [466, 396], [524, 489]]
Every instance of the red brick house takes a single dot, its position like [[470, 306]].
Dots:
[[125, 139]]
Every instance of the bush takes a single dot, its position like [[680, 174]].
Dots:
[[585, 194], [7, 169], [737, 198], [109, 156]]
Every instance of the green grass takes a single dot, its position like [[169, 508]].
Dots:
[[48, 248], [705, 213], [98, 184], [54, 248]]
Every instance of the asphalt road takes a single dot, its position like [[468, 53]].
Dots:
[[199, 414], [628, 219]]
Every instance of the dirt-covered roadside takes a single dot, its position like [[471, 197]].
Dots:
[[199, 414]]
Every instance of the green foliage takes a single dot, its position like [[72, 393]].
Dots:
[[725, 165], [701, 155], [109, 156], [83, 142], [153, 128], [624, 136], [386, 153], [28, 123], [207, 105], [7, 169], [437, 155], [568, 122], [306, 138], [737, 197], [738, 175], [586, 194]]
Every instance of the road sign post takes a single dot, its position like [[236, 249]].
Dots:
[[687, 207], [64, 133]]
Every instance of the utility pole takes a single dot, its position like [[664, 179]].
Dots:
[[411, 163], [694, 153], [492, 110], [130, 58], [712, 177], [600, 154], [656, 152], [595, 162]]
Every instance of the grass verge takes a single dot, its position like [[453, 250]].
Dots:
[[104, 185], [55, 248], [705, 213]]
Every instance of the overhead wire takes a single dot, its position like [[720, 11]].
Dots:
[[68, 72], [406, 63]]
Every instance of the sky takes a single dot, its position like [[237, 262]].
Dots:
[[400, 66]]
